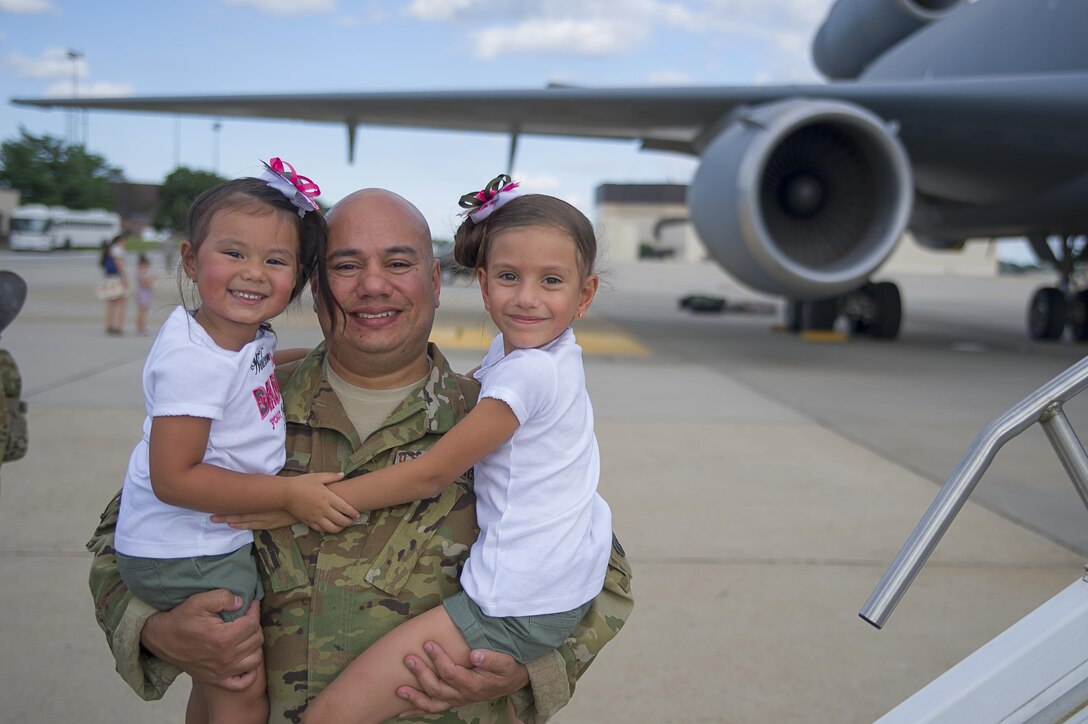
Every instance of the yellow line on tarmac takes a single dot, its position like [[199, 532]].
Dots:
[[592, 341], [823, 335]]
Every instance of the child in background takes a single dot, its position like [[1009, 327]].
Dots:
[[213, 439], [145, 289], [545, 533], [114, 286]]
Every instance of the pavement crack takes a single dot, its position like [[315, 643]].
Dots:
[[84, 375]]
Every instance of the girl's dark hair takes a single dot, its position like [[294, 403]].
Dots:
[[253, 195], [471, 240], [107, 246]]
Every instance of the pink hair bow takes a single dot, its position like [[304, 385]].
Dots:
[[298, 189], [481, 204]]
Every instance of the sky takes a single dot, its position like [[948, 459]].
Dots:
[[291, 46], [195, 47]]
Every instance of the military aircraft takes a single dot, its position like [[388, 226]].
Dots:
[[956, 120]]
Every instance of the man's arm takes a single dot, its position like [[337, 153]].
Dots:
[[191, 637], [552, 678]]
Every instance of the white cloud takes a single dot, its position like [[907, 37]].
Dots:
[[438, 10], [98, 89], [788, 23], [373, 14], [287, 7], [27, 6], [606, 27], [579, 37], [52, 63]]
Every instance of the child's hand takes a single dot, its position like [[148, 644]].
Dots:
[[318, 507], [256, 521]]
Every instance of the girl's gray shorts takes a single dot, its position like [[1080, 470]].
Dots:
[[165, 582], [523, 637]]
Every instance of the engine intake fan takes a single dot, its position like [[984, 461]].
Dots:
[[802, 198]]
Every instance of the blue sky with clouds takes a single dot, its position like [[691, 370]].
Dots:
[[193, 47], [135, 47]]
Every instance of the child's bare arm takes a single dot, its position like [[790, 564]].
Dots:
[[490, 424], [179, 476]]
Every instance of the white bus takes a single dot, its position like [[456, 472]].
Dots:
[[43, 228]]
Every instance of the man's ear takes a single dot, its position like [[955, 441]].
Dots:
[[436, 280]]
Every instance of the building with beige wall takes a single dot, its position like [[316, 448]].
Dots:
[[9, 200]]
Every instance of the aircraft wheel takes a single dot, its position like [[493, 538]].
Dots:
[[1047, 313], [792, 315], [889, 311], [1078, 316], [819, 313]]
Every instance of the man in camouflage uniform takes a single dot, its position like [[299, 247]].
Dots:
[[328, 597]]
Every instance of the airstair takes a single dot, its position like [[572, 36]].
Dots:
[[1037, 670]]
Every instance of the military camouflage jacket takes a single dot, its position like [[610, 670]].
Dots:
[[328, 597]]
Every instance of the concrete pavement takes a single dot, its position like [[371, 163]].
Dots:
[[756, 530]]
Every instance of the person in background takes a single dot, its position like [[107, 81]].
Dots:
[[145, 290], [114, 288]]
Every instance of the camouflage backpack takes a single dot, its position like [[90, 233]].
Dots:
[[13, 436], [13, 433]]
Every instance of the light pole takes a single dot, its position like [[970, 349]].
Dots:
[[75, 56], [215, 146]]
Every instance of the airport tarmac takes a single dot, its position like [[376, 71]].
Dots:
[[760, 484]]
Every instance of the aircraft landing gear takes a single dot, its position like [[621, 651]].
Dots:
[[815, 314], [874, 310], [1047, 314], [1077, 317], [1052, 309]]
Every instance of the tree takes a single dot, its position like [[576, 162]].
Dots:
[[45, 170], [177, 193]]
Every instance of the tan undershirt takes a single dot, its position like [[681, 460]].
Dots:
[[367, 409]]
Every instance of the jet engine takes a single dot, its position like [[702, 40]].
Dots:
[[857, 32], [802, 198]]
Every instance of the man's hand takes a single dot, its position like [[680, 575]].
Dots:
[[194, 638], [256, 521], [443, 684]]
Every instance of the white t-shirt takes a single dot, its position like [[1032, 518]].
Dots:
[[187, 373], [545, 533]]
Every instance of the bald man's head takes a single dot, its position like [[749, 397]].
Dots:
[[379, 285], [378, 206]]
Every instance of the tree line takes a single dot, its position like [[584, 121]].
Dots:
[[46, 170]]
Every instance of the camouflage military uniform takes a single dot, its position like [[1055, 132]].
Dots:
[[328, 597], [13, 437]]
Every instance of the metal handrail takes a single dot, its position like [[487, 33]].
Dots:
[[1043, 406]]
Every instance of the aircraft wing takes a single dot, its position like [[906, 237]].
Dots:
[[801, 190], [669, 115], [675, 118]]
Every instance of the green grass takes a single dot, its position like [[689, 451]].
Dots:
[[135, 244]]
